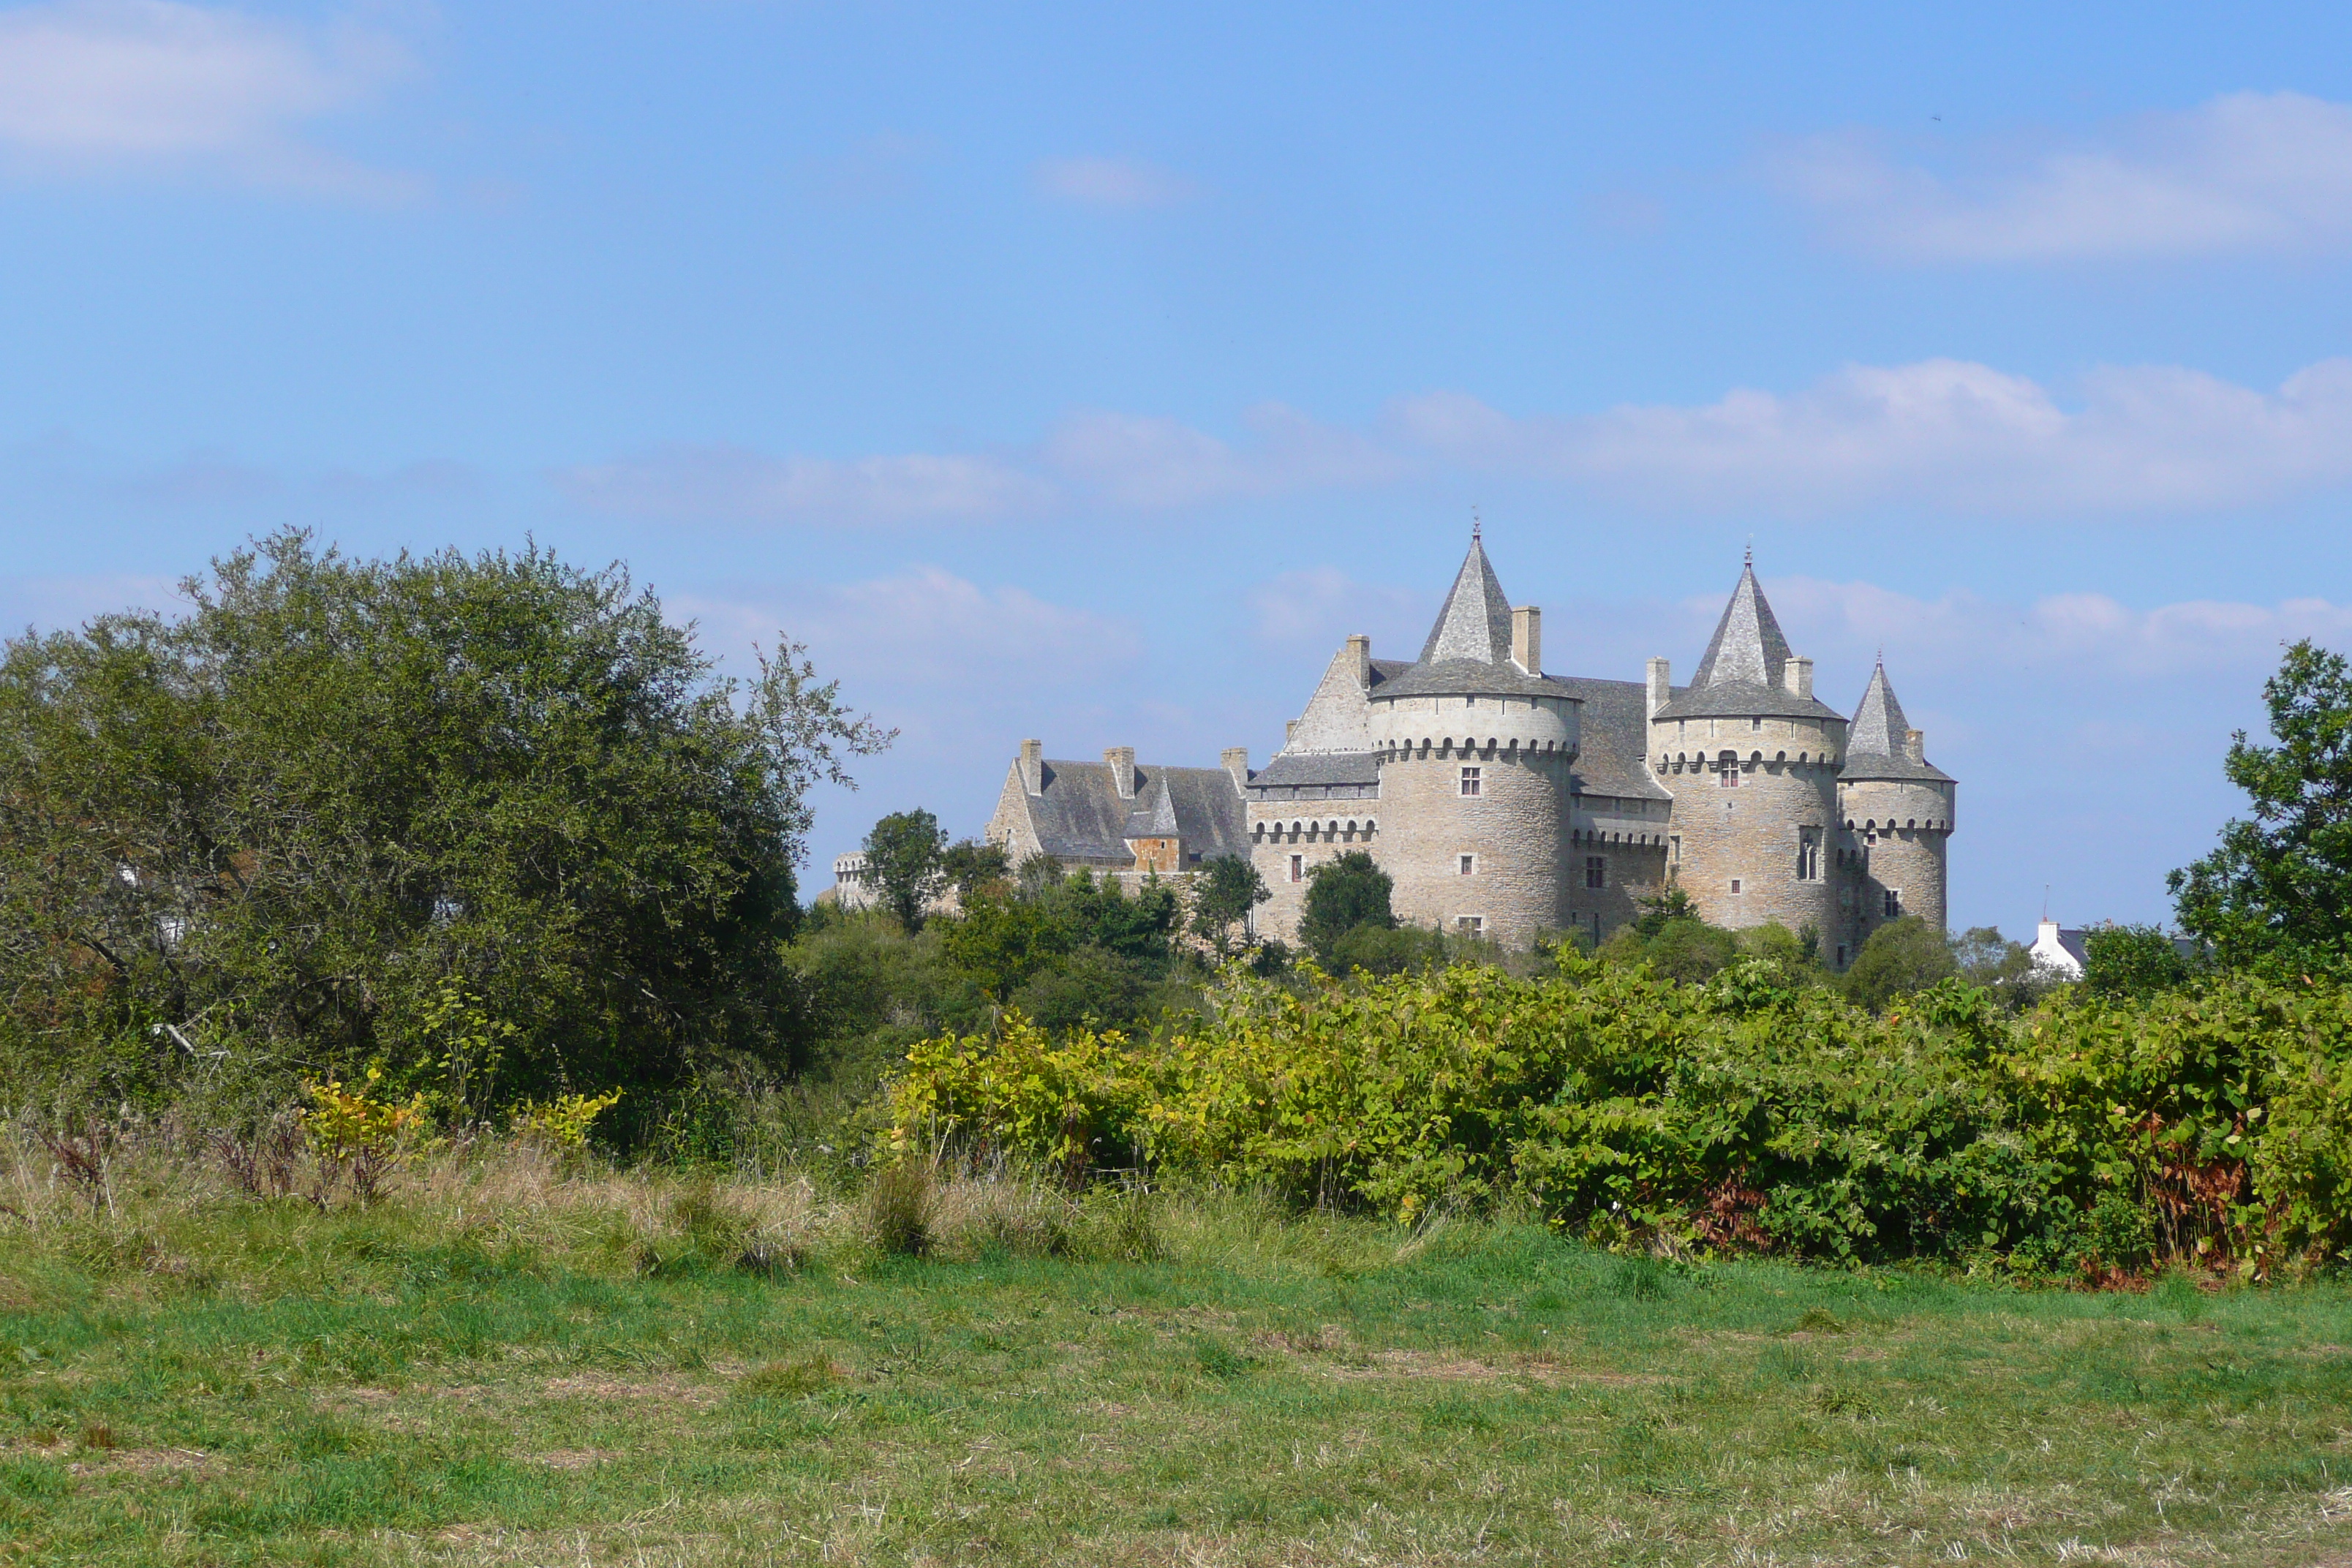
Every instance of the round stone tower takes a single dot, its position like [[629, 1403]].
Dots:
[[1475, 748], [1896, 810], [1751, 758]]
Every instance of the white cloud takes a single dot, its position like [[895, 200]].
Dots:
[[2247, 172], [2081, 641], [157, 84], [1940, 435], [1320, 607], [1151, 464], [731, 484], [1113, 185]]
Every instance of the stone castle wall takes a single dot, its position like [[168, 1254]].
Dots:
[[1774, 834], [1310, 832], [1512, 829], [1899, 834]]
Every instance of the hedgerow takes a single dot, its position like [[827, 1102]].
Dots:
[[2213, 1124]]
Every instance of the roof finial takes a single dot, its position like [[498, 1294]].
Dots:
[[1747, 556], [1474, 525]]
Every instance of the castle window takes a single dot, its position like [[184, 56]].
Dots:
[[1596, 871], [1675, 848], [1756, 726], [1894, 903], [1299, 868], [1469, 702], [1468, 865], [1735, 884], [1470, 925], [1808, 855], [1470, 780], [1841, 955], [1726, 771]]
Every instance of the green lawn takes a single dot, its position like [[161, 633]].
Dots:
[[572, 1373]]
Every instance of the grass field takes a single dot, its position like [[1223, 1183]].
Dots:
[[500, 1363]]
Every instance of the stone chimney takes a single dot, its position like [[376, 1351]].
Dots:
[[1033, 767], [1359, 654], [1798, 676], [1662, 686], [1526, 638], [1120, 761], [1290, 732], [1236, 763], [1915, 745]]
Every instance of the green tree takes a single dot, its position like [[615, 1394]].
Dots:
[[277, 832], [2007, 969], [970, 864], [1342, 893], [2277, 893], [1669, 903], [1225, 892], [1901, 956], [2128, 961], [904, 864]]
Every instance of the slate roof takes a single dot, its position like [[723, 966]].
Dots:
[[1612, 738], [1080, 816], [1292, 769], [1875, 743], [1744, 672], [1469, 649]]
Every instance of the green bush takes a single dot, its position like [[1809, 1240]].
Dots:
[[1759, 1110]]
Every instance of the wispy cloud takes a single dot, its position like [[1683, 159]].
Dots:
[[731, 484], [158, 85], [2247, 172], [1151, 464], [1113, 185], [1317, 608], [1940, 435]]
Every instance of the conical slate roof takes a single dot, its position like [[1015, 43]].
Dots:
[[1743, 671], [1475, 623], [1879, 727], [1154, 816], [1469, 649], [1747, 648], [1876, 742]]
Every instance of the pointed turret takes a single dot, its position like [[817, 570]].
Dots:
[[1880, 743], [1747, 648], [1476, 622], [1748, 671], [1471, 649]]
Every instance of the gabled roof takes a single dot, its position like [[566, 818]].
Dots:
[[1080, 816], [1745, 669], [1877, 741], [1288, 770]]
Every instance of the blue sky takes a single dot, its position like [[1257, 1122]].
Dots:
[[1089, 372]]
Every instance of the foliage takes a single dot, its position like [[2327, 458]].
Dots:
[[1989, 961], [2123, 960], [970, 865], [357, 1134], [906, 864], [2276, 892], [564, 1121], [1762, 1110], [273, 837], [1224, 891], [1346, 891], [1899, 958]]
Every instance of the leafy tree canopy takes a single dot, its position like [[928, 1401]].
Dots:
[[2276, 892], [2127, 961], [905, 863], [1346, 891], [1224, 891], [348, 812], [1901, 957]]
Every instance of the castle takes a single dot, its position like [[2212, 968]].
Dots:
[[1507, 803]]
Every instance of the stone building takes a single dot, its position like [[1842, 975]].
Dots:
[[1508, 802]]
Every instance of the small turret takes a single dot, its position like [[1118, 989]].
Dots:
[[1897, 812]]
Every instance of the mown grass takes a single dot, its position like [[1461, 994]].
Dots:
[[501, 1364]]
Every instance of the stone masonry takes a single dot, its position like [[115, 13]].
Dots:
[[1515, 804]]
